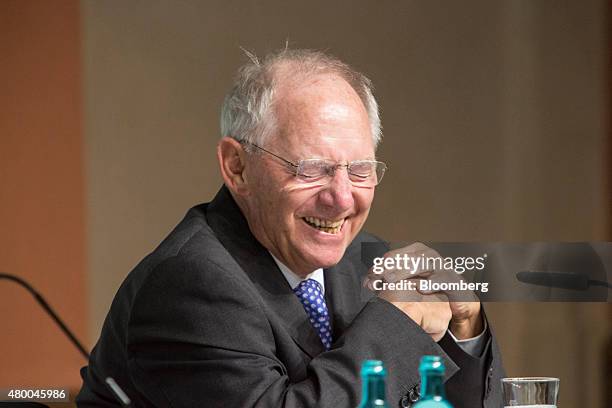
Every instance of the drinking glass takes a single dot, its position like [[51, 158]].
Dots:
[[530, 392]]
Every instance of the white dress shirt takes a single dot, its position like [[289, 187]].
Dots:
[[294, 280]]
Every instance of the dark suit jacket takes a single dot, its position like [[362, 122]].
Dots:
[[208, 320]]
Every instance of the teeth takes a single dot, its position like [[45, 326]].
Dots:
[[324, 223], [331, 227]]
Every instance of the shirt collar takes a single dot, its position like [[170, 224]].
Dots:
[[294, 280]]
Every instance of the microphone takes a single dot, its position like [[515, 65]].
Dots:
[[119, 394], [562, 280]]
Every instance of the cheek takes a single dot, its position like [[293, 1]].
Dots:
[[299, 199], [281, 210], [363, 200], [268, 193]]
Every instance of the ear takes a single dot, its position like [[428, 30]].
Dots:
[[231, 156]]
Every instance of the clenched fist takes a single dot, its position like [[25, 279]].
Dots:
[[435, 312]]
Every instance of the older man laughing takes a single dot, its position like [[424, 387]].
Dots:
[[256, 298]]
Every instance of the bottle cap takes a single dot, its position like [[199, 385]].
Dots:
[[373, 367], [432, 364]]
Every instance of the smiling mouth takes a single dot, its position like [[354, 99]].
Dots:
[[328, 226]]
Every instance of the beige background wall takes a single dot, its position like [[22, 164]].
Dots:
[[495, 120]]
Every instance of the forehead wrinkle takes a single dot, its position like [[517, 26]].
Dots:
[[296, 112]]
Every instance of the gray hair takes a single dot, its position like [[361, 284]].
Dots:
[[247, 113]]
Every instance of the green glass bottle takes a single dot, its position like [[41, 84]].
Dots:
[[432, 384], [373, 375]]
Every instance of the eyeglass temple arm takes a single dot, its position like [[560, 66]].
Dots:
[[275, 155]]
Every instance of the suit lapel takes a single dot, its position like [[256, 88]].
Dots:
[[344, 292], [231, 228], [340, 289]]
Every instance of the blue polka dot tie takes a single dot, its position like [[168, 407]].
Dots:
[[310, 293]]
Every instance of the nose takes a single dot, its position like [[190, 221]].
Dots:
[[338, 194]]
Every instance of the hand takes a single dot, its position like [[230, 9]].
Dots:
[[431, 309], [433, 316], [467, 320]]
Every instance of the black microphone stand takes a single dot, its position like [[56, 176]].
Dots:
[[110, 382], [49, 310]]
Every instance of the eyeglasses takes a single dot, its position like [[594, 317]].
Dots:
[[362, 173]]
